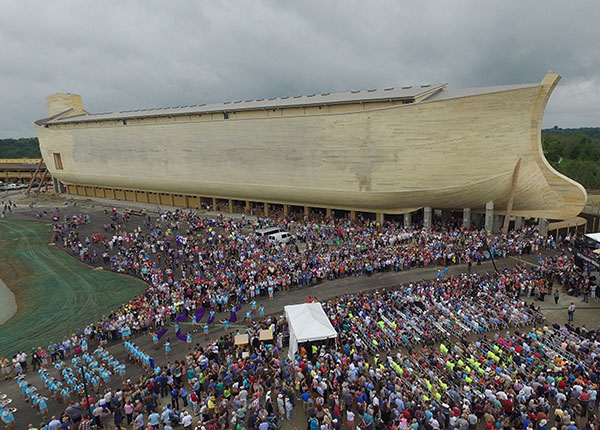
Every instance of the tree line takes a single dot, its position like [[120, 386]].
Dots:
[[25, 147], [575, 153]]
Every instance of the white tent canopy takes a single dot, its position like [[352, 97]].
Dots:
[[307, 322], [594, 236]]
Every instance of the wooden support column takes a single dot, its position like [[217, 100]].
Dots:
[[518, 222], [285, 209], [328, 212], [511, 196], [352, 215], [466, 218], [37, 169], [306, 211], [42, 180], [489, 217], [266, 208], [543, 226], [248, 206], [214, 204], [427, 215], [230, 206]]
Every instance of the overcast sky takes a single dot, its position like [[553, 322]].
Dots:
[[122, 55]]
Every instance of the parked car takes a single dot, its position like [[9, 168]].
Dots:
[[280, 238], [265, 232]]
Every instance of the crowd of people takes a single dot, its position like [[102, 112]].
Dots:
[[424, 355], [191, 262], [215, 264]]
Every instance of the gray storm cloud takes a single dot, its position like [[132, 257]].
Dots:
[[139, 54]]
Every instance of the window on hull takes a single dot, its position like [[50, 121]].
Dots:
[[58, 165]]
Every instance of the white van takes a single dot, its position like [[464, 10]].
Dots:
[[264, 232], [280, 238]]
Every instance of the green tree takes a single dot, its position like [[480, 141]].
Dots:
[[27, 147]]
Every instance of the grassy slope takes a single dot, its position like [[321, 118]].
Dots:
[[65, 293]]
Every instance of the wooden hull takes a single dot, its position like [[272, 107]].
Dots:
[[448, 154]]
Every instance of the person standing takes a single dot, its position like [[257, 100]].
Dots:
[[571, 311], [556, 296], [167, 348], [8, 418], [85, 424]]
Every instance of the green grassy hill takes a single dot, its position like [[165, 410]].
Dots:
[[26, 147], [574, 152]]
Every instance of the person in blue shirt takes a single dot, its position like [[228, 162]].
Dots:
[[154, 419], [36, 401], [43, 407], [184, 396], [106, 377], [8, 418], [368, 420], [167, 348], [126, 332], [66, 394]]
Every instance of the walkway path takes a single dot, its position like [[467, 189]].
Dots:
[[8, 304]]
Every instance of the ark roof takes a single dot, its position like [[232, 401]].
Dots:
[[432, 92], [393, 93]]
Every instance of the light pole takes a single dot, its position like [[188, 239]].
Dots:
[[87, 397], [487, 244]]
